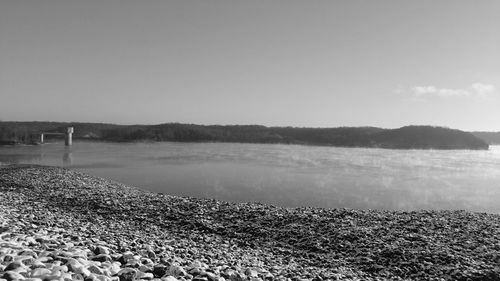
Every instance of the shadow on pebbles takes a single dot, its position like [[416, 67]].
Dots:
[[58, 224]]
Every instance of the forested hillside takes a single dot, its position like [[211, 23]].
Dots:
[[410, 137]]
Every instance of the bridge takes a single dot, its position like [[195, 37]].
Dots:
[[68, 136]]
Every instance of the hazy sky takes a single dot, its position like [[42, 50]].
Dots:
[[297, 63]]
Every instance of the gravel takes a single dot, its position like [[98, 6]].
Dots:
[[59, 224]]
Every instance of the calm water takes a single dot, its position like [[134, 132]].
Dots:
[[288, 175]]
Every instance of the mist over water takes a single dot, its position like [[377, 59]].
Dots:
[[288, 175]]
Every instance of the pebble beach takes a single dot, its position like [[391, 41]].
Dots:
[[60, 224]]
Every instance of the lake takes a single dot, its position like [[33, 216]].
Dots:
[[288, 175]]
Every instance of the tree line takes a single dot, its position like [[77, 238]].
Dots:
[[418, 137]]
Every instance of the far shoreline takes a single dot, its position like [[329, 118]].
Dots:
[[255, 143], [407, 137]]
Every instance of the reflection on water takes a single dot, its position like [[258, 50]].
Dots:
[[288, 175], [67, 157]]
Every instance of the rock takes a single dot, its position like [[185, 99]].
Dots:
[[176, 271], [146, 261], [83, 271], [127, 274], [77, 276], [37, 264], [268, 276], [114, 268], [209, 275], [28, 252], [250, 272], [195, 264], [40, 272], [235, 276], [95, 269], [61, 268], [26, 260], [91, 277], [147, 275], [14, 266], [102, 258], [8, 258], [73, 265], [159, 270], [195, 271], [12, 275], [145, 268], [102, 250], [150, 254], [128, 255]]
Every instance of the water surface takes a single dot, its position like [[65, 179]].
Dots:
[[288, 175]]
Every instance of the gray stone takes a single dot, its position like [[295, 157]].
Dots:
[[13, 265], [12, 275], [176, 271], [101, 250], [102, 258], [159, 270], [127, 274], [95, 269]]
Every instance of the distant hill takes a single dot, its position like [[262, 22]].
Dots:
[[427, 137], [410, 137], [489, 137]]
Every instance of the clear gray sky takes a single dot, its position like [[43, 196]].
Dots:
[[286, 63]]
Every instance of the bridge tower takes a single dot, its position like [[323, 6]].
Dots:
[[68, 138]]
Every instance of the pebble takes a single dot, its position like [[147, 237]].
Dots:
[[58, 224]]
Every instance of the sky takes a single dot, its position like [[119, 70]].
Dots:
[[384, 63]]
